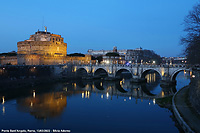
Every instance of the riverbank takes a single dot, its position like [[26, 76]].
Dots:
[[186, 115]]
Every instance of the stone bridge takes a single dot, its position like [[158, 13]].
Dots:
[[167, 72]]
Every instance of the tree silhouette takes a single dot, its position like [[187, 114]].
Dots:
[[192, 39]]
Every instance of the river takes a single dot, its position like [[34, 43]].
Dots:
[[91, 106]]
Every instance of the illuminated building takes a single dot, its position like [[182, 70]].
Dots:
[[78, 58], [42, 48], [9, 58], [113, 58]]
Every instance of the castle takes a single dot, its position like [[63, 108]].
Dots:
[[42, 48]]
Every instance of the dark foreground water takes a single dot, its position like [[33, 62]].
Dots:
[[91, 106]]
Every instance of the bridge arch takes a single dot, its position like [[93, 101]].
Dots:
[[175, 73], [120, 88], [147, 70], [123, 70], [101, 72], [99, 85], [146, 91], [81, 72]]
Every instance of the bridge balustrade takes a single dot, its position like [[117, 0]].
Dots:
[[136, 65]]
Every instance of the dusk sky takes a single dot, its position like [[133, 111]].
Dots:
[[98, 24]]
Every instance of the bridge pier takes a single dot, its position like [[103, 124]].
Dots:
[[137, 79], [111, 77], [166, 81]]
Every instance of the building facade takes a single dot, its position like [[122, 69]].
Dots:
[[97, 53], [9, 58], [86, 59], [113, 59], [42, 48]]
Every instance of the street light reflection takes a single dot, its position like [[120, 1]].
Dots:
[[107, 95], [3, 110], [82, 94]]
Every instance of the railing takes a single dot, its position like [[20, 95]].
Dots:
[[135, 65]]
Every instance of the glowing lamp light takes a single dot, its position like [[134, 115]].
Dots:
[[3, 100], [193, 76], [33, 93], [102, 96], [154, 101], [120, 83]]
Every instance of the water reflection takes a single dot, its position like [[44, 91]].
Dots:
[[124, 88], [51, 104], [3, 110], [43, 106]]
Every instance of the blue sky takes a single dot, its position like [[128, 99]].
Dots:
[[98, 24]]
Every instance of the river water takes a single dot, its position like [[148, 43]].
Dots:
[[91, 107]]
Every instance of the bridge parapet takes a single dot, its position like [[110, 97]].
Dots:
[[137, 65]]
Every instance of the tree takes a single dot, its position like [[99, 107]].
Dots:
[[112, 54], [77, 55], [192, 38]]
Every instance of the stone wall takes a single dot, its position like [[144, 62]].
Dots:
[[194, 91], [12, 77], [40, 60], [12, 60]]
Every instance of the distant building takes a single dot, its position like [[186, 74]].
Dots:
[[97, 53], [42, 48], [113, 58], [137, 55], [174, 60], [9, 58]]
